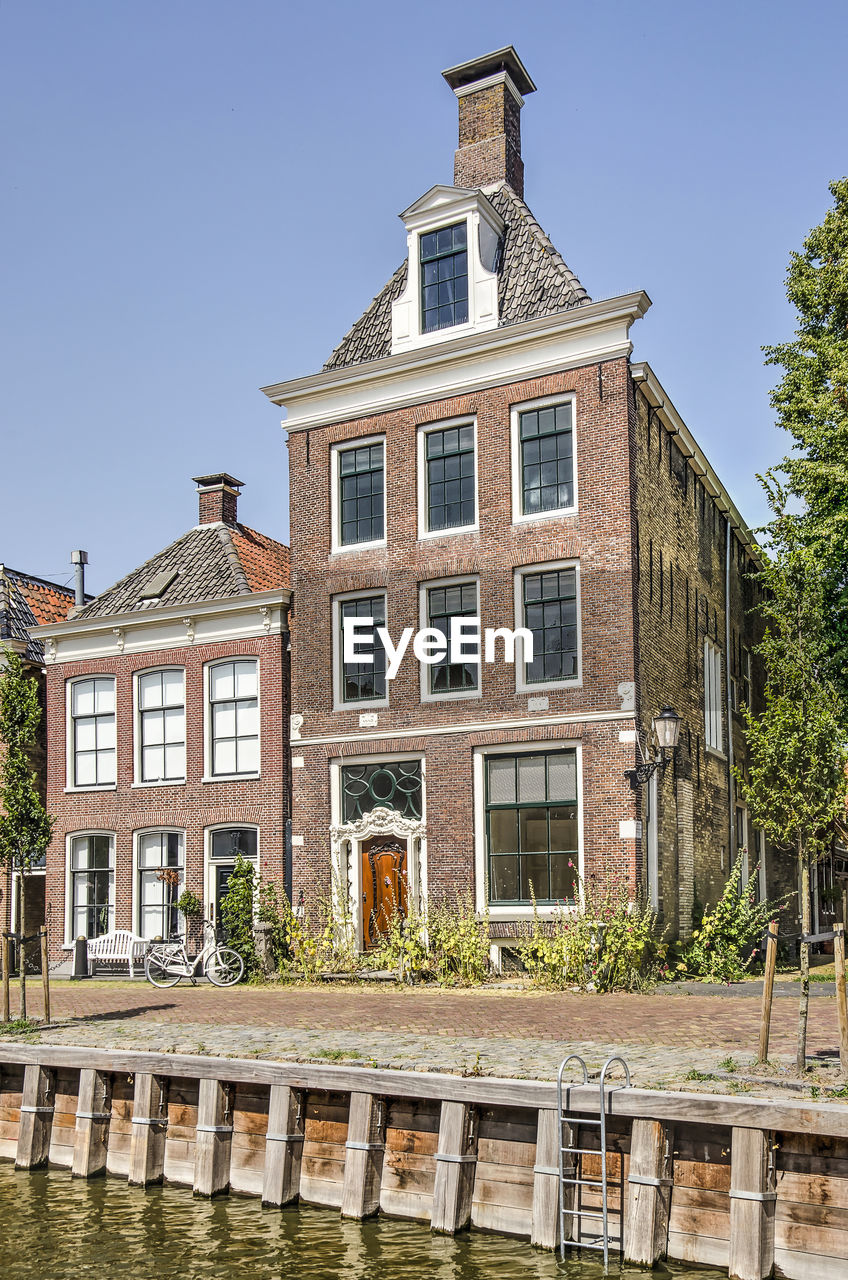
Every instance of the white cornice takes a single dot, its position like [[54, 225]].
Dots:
[[592, 331], [658, 398], [456, 727], [153, 617], [497, 77]]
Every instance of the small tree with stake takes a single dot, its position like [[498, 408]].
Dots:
[[796, 787], [25, 825]]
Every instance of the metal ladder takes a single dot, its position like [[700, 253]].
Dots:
[[570, 1174]]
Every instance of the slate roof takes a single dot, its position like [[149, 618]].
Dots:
[[27, 601], [210, 562], [534, 281]]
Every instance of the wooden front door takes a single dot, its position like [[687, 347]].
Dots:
[[384, 877]]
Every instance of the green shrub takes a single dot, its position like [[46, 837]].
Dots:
[[237, 913], [448, 942], [726, 941]]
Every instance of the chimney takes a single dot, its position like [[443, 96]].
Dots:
[[218, 498], [489, 90], [79, 559]]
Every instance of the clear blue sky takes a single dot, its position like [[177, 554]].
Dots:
[[200, 197]]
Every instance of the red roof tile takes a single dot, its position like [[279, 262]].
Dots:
[[265, 562]]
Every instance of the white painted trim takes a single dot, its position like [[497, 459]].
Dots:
[[425, 534], [545, 911], [136, 869], [336, 450], [521, 683], [338, 703], [70, 760], [208, 775], [248, 604], [424, 621], [210, 903], [497, 77], [136, 713], [550, 344], [652, 843], [421, 731], [526, 406], [70, 836]]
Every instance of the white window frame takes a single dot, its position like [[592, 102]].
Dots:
[[210, 902], [713, 726], [340, 447], [424, 532], [366, 704], [459, 695], [527, 406], [69, 880], [70, 753], [137, 734], [137, 838], [519, 912], [208, 775], [541, 686]]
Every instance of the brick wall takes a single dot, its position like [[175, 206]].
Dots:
[[489, 139]]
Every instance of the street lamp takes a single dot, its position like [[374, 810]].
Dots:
[[665, 730]]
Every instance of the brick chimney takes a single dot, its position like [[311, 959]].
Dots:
[[490, 91], [218, 497]]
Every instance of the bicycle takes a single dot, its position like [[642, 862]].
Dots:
[[166, 962]]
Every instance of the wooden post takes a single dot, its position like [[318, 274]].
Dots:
[[363, 1170], [36, 1118], [648, 1194], [752, 1205], [5, 976], [283, 1147], [544, 1231], [214, 1140], [768, 990], [91, 1136], [841, 999], [456, 1160], [149, 1129], [45, 974]]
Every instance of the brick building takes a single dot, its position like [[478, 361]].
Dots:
[[481, 445], [27, 601], [167, 715]]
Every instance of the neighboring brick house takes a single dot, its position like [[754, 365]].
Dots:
[[479, 444], [167, 718], [25, 602]]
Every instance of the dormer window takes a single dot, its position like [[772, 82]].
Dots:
[[444, 277]]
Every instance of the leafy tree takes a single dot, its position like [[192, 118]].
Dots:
[[796, 789], [25, 826], [811, 401]]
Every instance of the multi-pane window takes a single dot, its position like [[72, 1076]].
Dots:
[[92, 885], [161, 724], [550, 612], [444, 278], [449, 458], [546, 445], [363, 681], [713, 734], [361, 496], [531, 827], [93, 731], [160, 877], [234, 709], [454, 600]]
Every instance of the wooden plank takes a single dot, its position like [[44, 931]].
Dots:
[[149, 1129], [811, 1189], [752, 1206], [456, 1157], [697, 1247], [829, 1242], [65, 1088], [284, 1150], [648, 1193], [213, 1141], [120, 1127], [91, 1134], [544, 1229], [36, 1118], [807, 1266], [365, 1145]]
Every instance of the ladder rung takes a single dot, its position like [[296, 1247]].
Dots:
[[583, 1151], [572, 1120], [582, 1182]]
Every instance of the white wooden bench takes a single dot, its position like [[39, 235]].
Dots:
[[119, 947]]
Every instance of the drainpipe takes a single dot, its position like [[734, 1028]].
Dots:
[[731, 826], [79, 559]]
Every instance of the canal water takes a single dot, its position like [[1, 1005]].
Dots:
[[53, 1227]]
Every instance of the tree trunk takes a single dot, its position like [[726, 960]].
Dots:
[[22, 927], [803, 1009]]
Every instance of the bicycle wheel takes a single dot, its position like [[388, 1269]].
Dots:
[[224, 967], [156, 971]]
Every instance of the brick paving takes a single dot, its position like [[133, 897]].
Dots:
[[494, 1031]]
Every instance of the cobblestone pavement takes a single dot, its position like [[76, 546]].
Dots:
[[493, 1031]]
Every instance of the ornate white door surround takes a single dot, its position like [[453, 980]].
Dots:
[[346, 840]]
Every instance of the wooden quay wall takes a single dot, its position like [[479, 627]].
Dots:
[[753, 1186]]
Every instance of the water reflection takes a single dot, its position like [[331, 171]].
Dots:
[[53, 1227]]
